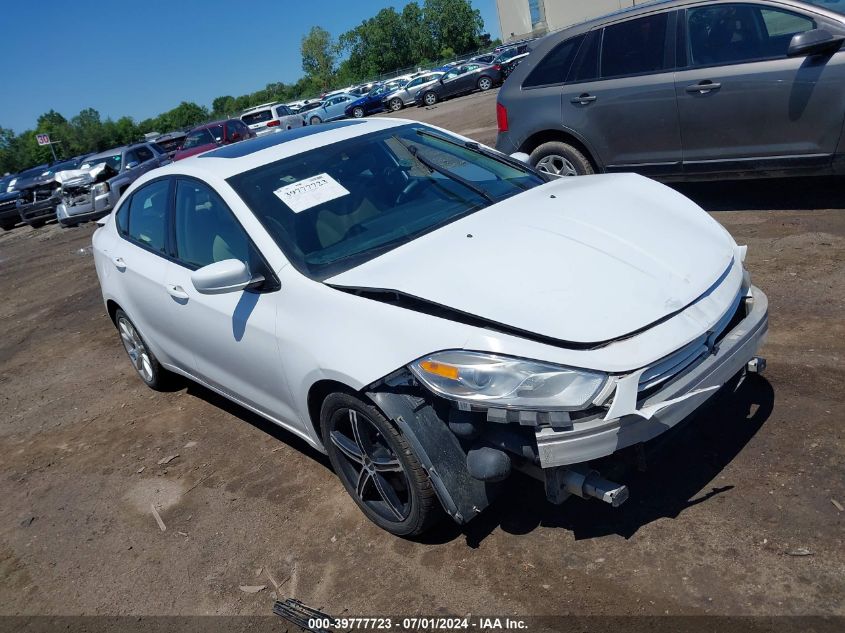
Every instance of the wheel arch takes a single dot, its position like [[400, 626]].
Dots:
[[112, 307], [544, 136], [317, 394]]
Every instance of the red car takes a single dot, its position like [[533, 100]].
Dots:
[[212, 135]]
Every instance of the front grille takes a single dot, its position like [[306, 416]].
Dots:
[[675, 364]]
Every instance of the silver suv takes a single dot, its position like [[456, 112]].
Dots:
[[685, 89], [271, 117]]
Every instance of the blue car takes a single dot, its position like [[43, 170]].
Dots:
[[370, 103]]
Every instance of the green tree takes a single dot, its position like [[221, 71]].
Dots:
[[453, 23], [318, 56]]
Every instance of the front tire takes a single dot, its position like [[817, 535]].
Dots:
[[37, 224], [143, 360], [395, 104], [429, 98], [560, 160], [377, 466], [7, 227], [358, 112], [315, 120], [484, 84]]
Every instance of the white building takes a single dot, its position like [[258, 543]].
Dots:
[[519, 19]]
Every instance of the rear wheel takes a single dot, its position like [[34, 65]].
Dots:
[[142, 359], [315, 120], [560, 160], [429, 98], [7, 226], [485, 83], [376, 465], [358, 112], [395, 104], [37, 224]]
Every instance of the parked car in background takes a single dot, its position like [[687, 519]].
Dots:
[[39, 193], [508, 59], [458, 81], [368, 104], [271, 117], [210, 135], [332, 109], [487, 58], [405, 96], [92, 189], [9, 216], [171, 142], [230, 273], [718, 89], [306, 107]]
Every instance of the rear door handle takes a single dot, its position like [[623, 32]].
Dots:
[[703, 87], [176, 292], [119, 263], [584, 99]]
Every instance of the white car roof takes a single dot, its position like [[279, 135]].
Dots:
[[237, 158]]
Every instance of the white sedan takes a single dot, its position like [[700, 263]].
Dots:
[[432, 314]]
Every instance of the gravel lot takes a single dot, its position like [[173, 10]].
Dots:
[[737, 515]]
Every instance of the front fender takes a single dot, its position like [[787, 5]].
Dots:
[[439, 452]]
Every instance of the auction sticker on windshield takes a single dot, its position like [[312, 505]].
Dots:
[[311, 192]]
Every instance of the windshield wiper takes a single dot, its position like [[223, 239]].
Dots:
[[479, 149], [413, 150]]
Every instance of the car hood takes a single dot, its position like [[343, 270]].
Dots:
[[581, 260]]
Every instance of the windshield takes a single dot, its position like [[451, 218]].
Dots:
[[113, 161], [837, 6], [198, 138], [338, 206]]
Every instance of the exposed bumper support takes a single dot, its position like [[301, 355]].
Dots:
[[583, 482]]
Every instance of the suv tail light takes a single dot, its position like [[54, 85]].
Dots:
[[497, 67], [273, 123], [502, 117]]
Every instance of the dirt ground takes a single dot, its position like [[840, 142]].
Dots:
[[740, 514]]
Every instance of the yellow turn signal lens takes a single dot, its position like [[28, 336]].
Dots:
[[440, 369]]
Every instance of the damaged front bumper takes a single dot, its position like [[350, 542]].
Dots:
[[38, 205], [83, 207], [640, 420]]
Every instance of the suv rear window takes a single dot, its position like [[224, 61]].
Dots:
[[634, 47], [262, 116], [554, 67]]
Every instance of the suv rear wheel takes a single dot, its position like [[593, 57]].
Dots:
[[395, 104], [560, 160], [485, 83]]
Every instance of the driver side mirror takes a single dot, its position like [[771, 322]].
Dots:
[[229, 275], [522, 157], [131, 165], [814, 42]]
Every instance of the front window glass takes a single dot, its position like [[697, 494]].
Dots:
[[736, 33], [378, 192], [206, 230], [198, 138], [634, 47], [148, 216], [837, 6]]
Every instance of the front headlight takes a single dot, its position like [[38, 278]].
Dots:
[[101, 188], [500, 381], [11, 186]]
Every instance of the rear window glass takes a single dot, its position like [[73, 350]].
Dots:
[[262, 116], [554, 67], [586, 65], [634, 47]]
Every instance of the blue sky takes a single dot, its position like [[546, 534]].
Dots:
[[142, 57]]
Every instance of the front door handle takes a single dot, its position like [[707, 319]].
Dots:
[[584, 99], [119, 263], [703, 87], [177, 292]]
